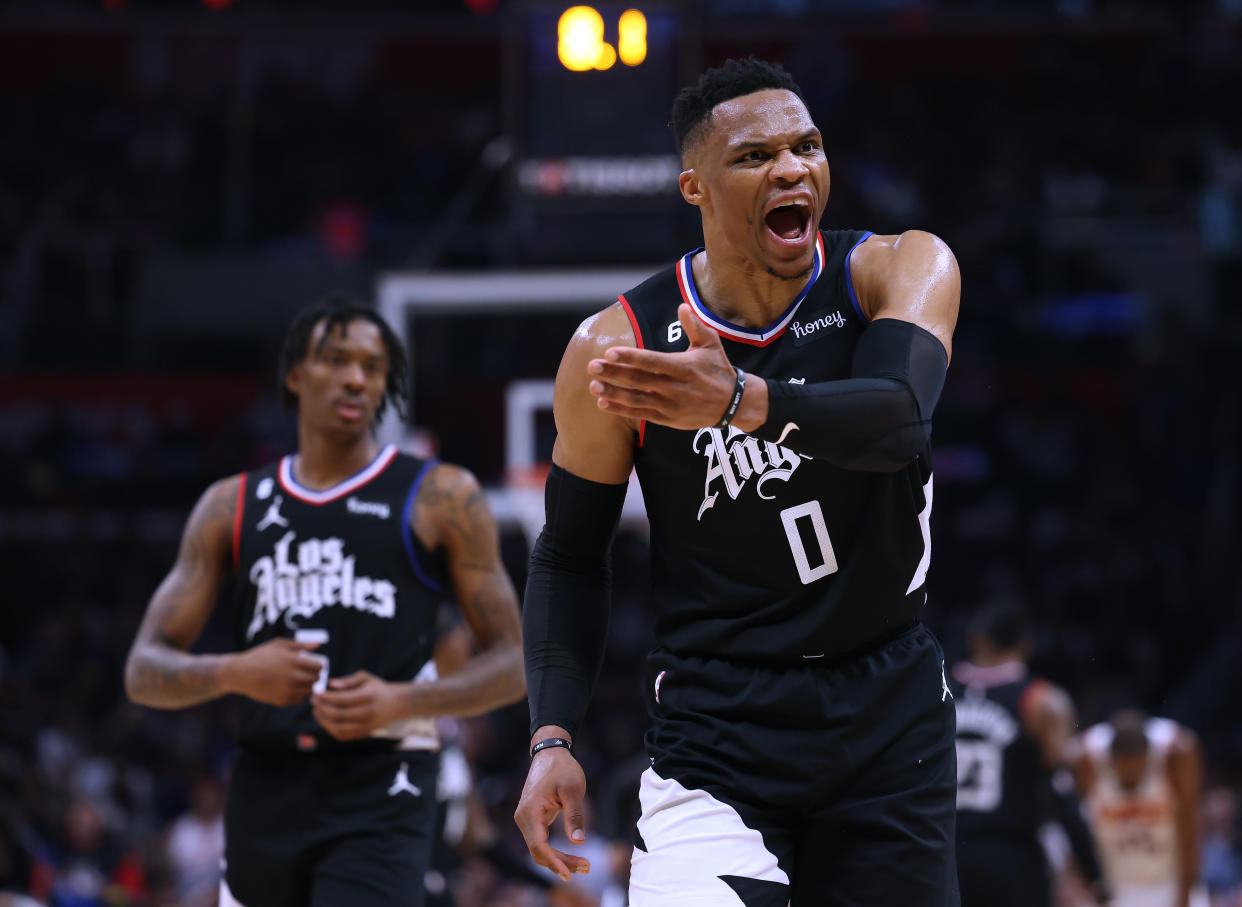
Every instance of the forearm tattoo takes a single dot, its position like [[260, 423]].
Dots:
[[160, 671]]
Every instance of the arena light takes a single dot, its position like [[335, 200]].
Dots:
[[607, 56], [632, 37], [581, 45]]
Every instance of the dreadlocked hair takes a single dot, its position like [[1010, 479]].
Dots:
[[336, 312], [692, 109]]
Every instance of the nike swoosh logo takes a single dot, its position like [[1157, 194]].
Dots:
[[789, 426]]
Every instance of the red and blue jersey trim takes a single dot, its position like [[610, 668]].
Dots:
[[689, 293], [239, 509], [353, 483], [849, 278], [407, 531]]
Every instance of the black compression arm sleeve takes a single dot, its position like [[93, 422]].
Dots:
[[879, 419], [1068, 812], [565, 609]]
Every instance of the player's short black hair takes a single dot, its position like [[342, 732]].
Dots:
[[692, 108], [1129, 732], [1003, 623], [338, 310]]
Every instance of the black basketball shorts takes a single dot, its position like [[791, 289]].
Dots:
[[1013, 873], [812, 785], [329, 828]]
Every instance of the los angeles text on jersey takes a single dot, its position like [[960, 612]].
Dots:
[[737, 457], [297, 583]]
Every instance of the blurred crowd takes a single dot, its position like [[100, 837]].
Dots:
[[1086, 448]]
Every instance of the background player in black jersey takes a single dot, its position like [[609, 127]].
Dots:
[[346, 544], [1012, 731], [774, 391]]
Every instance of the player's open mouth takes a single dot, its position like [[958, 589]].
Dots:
[[790, 222]]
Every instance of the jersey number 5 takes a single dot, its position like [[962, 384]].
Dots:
[[827, 557]]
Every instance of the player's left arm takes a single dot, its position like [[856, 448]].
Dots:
[[450, 513], [1049, 717], [1185, 768], [878, 419], [454, 509], [911, 277]]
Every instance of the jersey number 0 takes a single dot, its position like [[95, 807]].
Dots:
[[827, 557]]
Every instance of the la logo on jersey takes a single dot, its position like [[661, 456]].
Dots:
[[298, 582], [735, 458]]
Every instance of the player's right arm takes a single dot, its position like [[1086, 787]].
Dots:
[[1185, 768], [565, 612], [590, 443], [161, 672]]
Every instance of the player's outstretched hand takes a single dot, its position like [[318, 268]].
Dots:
[[555, 783], [277, 672], [357, 704], [689, 389]]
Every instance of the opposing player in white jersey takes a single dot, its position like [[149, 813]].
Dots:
[[1140, 779]]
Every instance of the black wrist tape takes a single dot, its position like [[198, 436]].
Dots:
[[551, 743], [739, 386]]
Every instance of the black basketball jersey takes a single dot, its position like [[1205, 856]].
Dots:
[[342, 565], [759, 553], [1001, 780]]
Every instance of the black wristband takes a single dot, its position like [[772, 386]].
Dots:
[[738, 387], [549, 743]]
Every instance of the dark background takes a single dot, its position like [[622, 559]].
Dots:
[[177, 178]]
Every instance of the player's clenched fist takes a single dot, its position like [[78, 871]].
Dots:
[[555, 783], [278, 672]]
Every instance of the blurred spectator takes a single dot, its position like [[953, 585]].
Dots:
[[92, 867], [1222, 855], [196, 845]]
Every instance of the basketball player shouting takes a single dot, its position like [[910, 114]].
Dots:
[[774, 390], [343, 553]]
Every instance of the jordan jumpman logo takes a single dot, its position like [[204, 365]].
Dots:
[[272, 517], [402, 782]]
